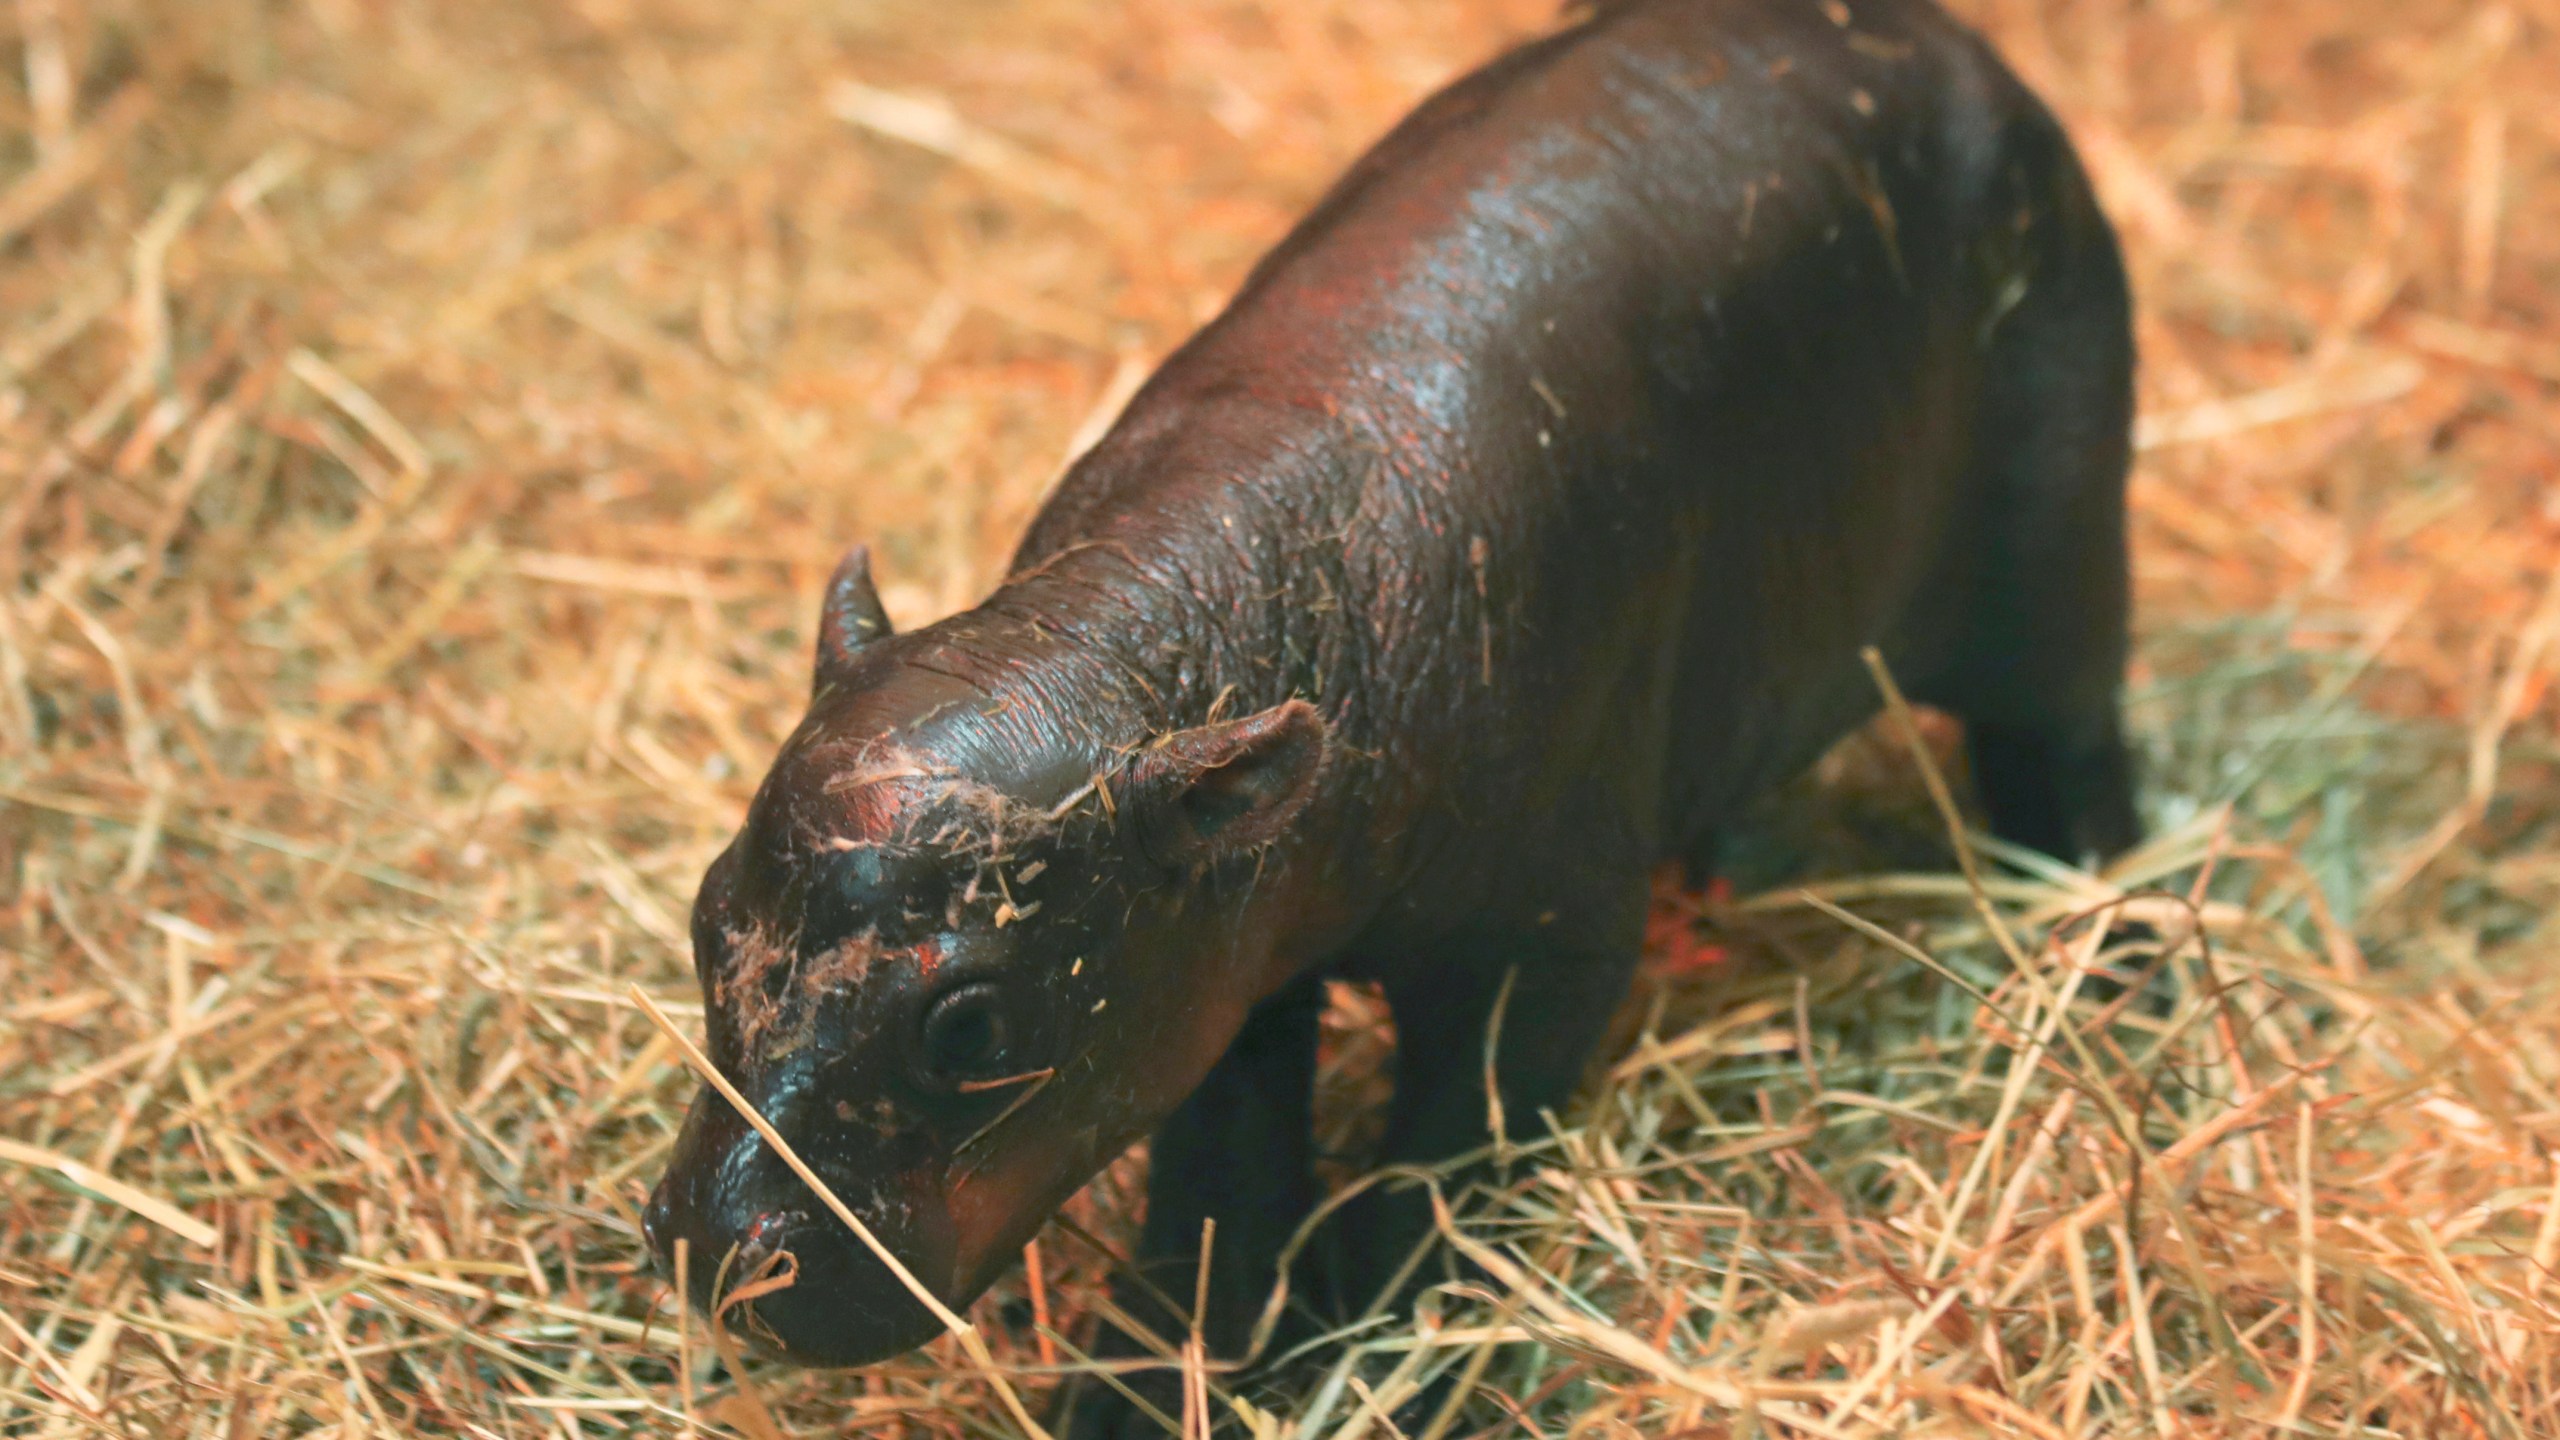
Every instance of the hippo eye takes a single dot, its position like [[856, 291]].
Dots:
[[966, 1034]]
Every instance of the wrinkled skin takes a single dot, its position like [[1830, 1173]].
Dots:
[[917, 958], [1523, 517]]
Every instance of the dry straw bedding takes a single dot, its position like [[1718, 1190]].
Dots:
[[425, 427]]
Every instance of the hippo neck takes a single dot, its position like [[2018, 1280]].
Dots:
[[1196, 573], [1201, 545]]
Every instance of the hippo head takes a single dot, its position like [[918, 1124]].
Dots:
[[970, 943]]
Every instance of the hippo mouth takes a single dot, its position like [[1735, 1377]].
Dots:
[[769, 1262], [804, 1290]]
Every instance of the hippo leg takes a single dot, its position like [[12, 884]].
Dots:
[[2039, 691], [1239, 1152], [1554, 988], [2038, 676], [2064, 789]]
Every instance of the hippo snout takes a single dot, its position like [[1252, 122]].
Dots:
[[730, 1197]]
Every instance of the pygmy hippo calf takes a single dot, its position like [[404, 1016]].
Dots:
[[1525, 514]]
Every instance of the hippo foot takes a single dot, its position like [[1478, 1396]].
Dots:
[[1089, 1408]]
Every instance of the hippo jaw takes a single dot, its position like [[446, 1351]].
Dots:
[[961, 954], [771, 1261]]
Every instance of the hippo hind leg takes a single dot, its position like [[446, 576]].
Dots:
[[2062, 789], [2040, 692], [2039, 675]]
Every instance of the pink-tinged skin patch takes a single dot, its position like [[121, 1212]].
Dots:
[[763, 1236]]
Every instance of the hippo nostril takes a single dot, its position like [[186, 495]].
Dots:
[[761, 1242], [763, 1236], [779, 1270]]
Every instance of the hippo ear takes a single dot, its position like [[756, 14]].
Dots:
[[1202, 795], [851, 616]]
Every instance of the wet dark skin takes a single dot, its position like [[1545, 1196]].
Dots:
[[1524, 516]]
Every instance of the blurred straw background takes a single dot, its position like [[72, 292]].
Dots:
[[424, 426]]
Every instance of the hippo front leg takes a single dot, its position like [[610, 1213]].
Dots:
[[1239, 1152], [1563, 984]]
